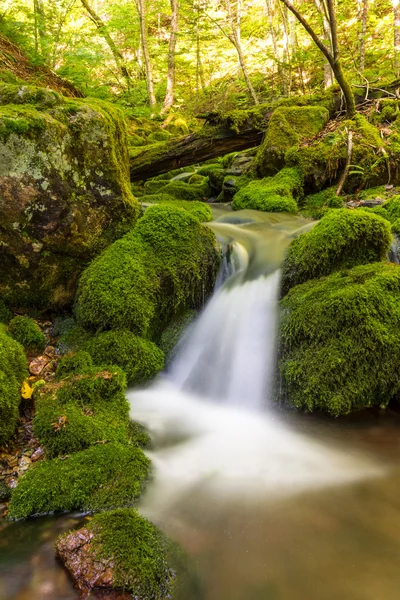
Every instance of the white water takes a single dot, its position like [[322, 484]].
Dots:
[[211, 414]]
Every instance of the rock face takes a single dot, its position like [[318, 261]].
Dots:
[[64, 191]]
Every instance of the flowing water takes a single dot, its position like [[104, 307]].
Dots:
[[268, 504]]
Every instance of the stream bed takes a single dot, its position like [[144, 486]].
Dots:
[[268, 503]]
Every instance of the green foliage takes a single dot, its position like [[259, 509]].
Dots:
[[105, 476], [12, 357], [140, 359], [137, 549], [342, 239], [287, 128], [168, 263], [153, 186], [27, 332], [9, 402], [272, 194], [5, 314], [339, 340]]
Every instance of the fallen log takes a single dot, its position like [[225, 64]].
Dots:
[[238, 131]]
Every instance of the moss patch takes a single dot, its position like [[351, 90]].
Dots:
[[199, 210], [168, 263], [339, 340], [272, 194], [102, 477], [140, 359], [27, 332], [13, 370], [342, 239]]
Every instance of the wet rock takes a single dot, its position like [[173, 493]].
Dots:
[[88, 572], [240, 165], [371, 202], [38, 454]]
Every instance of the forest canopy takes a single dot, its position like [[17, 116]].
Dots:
[[202, 55]]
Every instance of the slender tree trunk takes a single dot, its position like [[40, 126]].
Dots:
[[278, 58], [333, 57], [169, 96], [363, 17], [396, 23], [235, 39], [328, 74], [102, 29], [40, 27], [141, 8]]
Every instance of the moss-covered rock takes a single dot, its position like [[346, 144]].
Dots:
[[13, 369], [119, 549], [64, 188], [140, 359], [27, 332], [153, 186], [342, 239], [272, 194], [186, 191], [317, 205], [104, 476], [200, 210], [172, 335], [339, 340], [287, 128], [76, 363], [142, 281], [158, 136]]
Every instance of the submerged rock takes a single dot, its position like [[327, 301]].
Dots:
[[119, 550], [64, 191]]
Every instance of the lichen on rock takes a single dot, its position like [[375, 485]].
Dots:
[[64, 191]]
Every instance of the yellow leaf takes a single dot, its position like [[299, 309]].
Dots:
[[26, 390]]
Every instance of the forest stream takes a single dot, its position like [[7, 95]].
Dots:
[[269, 504]]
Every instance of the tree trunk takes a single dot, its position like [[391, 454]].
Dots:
[[363, 16], [332, 57], [396, 30], [270, 15], [40, 27], [141, 8], [169, 96], [328, 74], [102, 29], [235, 39]]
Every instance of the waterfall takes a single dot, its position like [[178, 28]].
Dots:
[[216, 398]]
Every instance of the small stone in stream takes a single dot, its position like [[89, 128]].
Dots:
[[24, 464], [37, 365], [389, 187], [49, 370], [50, 351]]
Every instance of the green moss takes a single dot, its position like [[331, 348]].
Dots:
[[105, 476], [153, 186], [168, 263], [64, 427], [200, 210], [98, 382], [173, 333], [228, 159], [140, 359], [196, 179], [317, 205], [138, 551], [287, 128], [5, 314], [27, 332], [205, 170], [396, 227], [15, 93], [342, 239], [74, 364], [186, 191], [272, 194], [339, 340], [158, 136], [12, 357]]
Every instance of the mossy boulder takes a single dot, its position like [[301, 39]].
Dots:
[[167, 264], [287, 128], [186, 191], [173, 334], [119, 549], [340, 342], [64, 191], [27, 332], [342, 239], [317, 205], [140, 359], [105, 476], [272, 194], [13, 370], [200, 210]]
